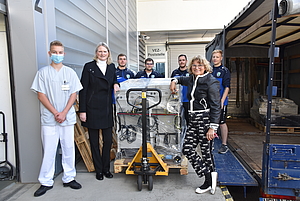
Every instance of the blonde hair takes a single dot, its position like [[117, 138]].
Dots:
[[217, 51], [56, 43], [201, 60], [109, 59]]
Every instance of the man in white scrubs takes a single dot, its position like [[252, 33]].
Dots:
[[56, 86]]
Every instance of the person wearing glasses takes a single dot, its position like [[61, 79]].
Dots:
[[148, 72], [204, 117]]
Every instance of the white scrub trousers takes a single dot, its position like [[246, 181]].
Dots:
[[50, 138]]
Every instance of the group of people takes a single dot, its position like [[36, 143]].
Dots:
[[123, 73], [57, 87]]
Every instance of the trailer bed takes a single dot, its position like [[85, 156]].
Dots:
[[247, 141]]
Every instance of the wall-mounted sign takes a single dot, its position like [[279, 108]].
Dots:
[[156, 52]]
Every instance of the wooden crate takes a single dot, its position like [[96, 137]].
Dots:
[[121, 165], [83, 146], [283, 129]]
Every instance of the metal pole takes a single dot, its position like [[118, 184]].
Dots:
[[265, 165], [224, 42], [144, 123]]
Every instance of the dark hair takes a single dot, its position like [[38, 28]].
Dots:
[[149, 59], [182, 55], [121, 55]]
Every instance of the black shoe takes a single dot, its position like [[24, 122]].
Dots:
[[73, 184], [223, 149], [108, 174], [206, 186], [42, 190], [99, 176]]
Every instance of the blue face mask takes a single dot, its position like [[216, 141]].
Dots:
[[57, 58]]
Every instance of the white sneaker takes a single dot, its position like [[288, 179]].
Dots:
[[199, 190], [214, 176]]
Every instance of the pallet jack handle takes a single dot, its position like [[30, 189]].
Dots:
[[144, 111], [144, 96]]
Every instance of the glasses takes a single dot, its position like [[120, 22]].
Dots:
[[149, 64], [197, 66]]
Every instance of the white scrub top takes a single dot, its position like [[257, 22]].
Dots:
[[57, 86]]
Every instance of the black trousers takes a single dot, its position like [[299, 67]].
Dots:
[[196, 134], [101, 162]]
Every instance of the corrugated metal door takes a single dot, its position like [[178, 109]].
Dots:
[[133, 52], [189, 50], [81, 25], [117, 27]]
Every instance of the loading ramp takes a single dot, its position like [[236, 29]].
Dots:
[[231, 172]]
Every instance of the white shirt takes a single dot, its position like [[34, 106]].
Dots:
[[58, 87], [102, 65]]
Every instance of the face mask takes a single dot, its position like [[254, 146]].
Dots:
[[57, 58]]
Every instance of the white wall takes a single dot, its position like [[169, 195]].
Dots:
[[186, 14]]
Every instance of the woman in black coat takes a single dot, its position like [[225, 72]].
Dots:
[[95, 106]]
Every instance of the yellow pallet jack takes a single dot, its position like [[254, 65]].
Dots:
[[146, 161]]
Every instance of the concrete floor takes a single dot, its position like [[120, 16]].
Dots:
[[121, 188], [243, 137]]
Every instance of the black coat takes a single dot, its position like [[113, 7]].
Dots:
[[207, 88], [96, 96]]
